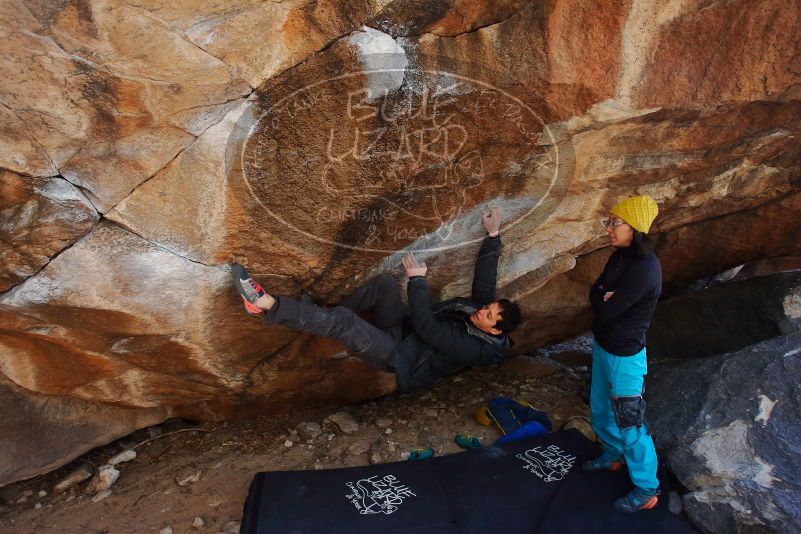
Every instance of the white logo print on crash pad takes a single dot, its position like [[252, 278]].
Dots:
[[549, 463], [378, 495]]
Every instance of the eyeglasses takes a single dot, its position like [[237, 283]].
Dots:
[[609, 223]]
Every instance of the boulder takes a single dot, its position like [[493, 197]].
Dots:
[[39, 217], [729, 429], [62, 427], [440, 18], [259, 40], [316, 142], [767, 266], [664, 34], [102, 80], [133, 343], [558, 307], [727, 317]]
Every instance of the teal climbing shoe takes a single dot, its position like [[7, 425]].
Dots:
[[467, 441], [421, 453], [637, 500], [603, 463]]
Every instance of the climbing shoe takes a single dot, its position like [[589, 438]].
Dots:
[[637, 500], [252, 309], [603, 463], [467, 441], [249, 289], [421, 453]]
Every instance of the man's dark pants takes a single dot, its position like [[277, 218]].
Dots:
[[372, 342]]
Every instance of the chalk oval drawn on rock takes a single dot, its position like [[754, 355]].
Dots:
[[398, 153]]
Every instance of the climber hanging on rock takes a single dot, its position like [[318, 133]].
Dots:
[[433, 342], [624, 298]]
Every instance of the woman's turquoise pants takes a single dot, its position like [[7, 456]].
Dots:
[[617, 382]]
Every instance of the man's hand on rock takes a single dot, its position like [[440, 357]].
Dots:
[[492, 221], [412, 266]]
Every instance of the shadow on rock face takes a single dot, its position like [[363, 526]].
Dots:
[[726, 317]]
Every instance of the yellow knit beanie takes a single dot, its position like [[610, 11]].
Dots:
[[638, 212]]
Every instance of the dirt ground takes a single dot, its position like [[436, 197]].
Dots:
[[147, 498]]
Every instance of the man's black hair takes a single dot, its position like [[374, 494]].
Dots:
[[510, 316]]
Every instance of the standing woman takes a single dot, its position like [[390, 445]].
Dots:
[[624, 298]]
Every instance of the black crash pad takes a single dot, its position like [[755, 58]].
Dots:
[[532, 485]]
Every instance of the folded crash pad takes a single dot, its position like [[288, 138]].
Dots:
[[531, 485]]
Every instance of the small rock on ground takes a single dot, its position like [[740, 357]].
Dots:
[[383, 422], [102, 495], [231, 527], [345, 422], [76, 477], [106, 476], [309, 431], [359, 447], [189, 477], [124, 456], [582, 425]]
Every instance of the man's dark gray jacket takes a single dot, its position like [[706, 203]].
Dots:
[[444, 340]]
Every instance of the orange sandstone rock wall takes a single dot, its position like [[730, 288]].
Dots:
[[147, 144]]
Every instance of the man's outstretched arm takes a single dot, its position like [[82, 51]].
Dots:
[[486, 273], [444, 336]]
